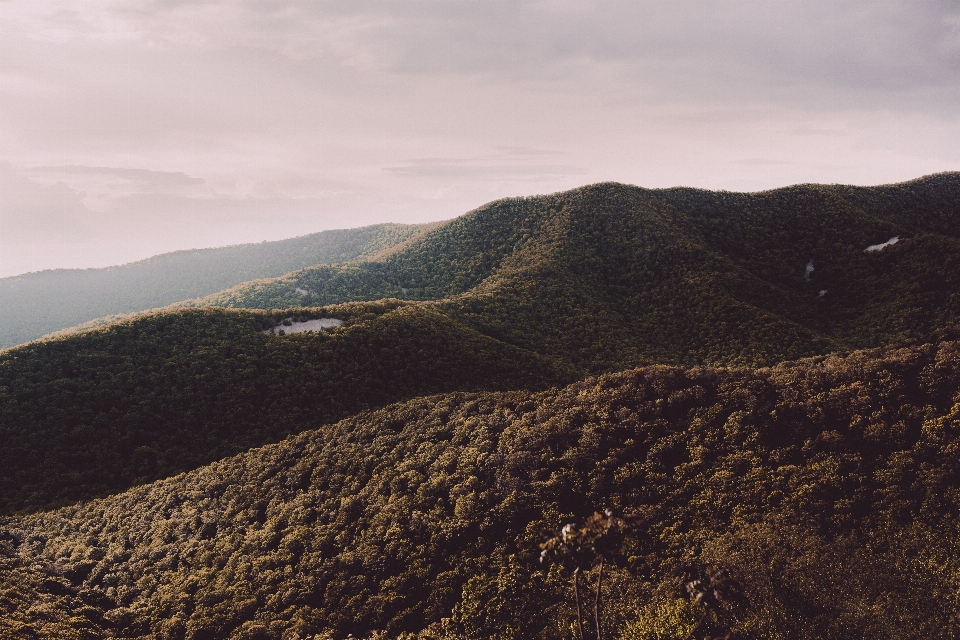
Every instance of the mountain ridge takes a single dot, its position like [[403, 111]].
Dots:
[[574, 284], [35, 304], [687, 359], [706, 243], [95, 412]]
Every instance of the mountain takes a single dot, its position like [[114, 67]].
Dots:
[[529, 292], [99, 411], [34, 304], [509, 372], [828, 486], [611, 276]]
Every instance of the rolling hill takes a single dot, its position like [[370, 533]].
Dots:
[[687, 359], [139, 400], [35, 304], [612, 276], [829, 486], [530, 292]]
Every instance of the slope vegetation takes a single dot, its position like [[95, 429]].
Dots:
[[99, 411], [530, 292], [34, 304], [611, 276], [37, 601], [828, 486]]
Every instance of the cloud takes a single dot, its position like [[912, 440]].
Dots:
[[759, 162], [332, 112], [49, 226], [482, 168], [815, 131], [145, 177], [33, 213], [527, 151], [801, 52]]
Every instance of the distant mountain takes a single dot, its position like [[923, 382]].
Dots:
[[612, 276], [828, 487], [34, 304]]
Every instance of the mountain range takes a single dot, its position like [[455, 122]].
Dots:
[[35, 304], [767, 382]]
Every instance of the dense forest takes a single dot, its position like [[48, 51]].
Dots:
[[828, 486], [689, 386], [613, 276], [34, 304], [163, 393]]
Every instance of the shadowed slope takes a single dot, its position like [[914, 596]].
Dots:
[[96, 412], [538, 291], [827, 485]]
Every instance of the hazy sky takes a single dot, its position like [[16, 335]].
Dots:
[[129, 128]]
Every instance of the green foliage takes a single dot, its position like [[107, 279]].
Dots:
[[599, 539], [100, 411], [722, 598], [611, 276], [668, 619], [37, 602], [35, 304], [827, 486]]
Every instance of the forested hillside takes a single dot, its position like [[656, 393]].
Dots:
[[612, 276], [493, 379], [34, 304], [828, 486], [554, 288], [99, 411]]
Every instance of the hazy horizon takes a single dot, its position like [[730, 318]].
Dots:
[[133, 128]]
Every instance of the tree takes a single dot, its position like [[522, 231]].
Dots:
[[599, 539], [722, 596]]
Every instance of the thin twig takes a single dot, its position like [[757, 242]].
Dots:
[[596, 603], [576, 595]]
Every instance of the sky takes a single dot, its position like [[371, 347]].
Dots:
[[134, 127]]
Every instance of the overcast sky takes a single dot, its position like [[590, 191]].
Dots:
[[134, 127]]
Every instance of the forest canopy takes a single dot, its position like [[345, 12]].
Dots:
[[612, 276], [827, 485], [730, 385]]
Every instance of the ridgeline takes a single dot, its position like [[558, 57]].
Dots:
[[100, 411], [35, 304], [612, 276], [691, 360]]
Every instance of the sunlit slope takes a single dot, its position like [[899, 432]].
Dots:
[[611, 276], [827, 486], [95, 412], [35, 304], [38, 602]]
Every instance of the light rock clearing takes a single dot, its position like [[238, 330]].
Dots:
[[292, 326], [878, 247]]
